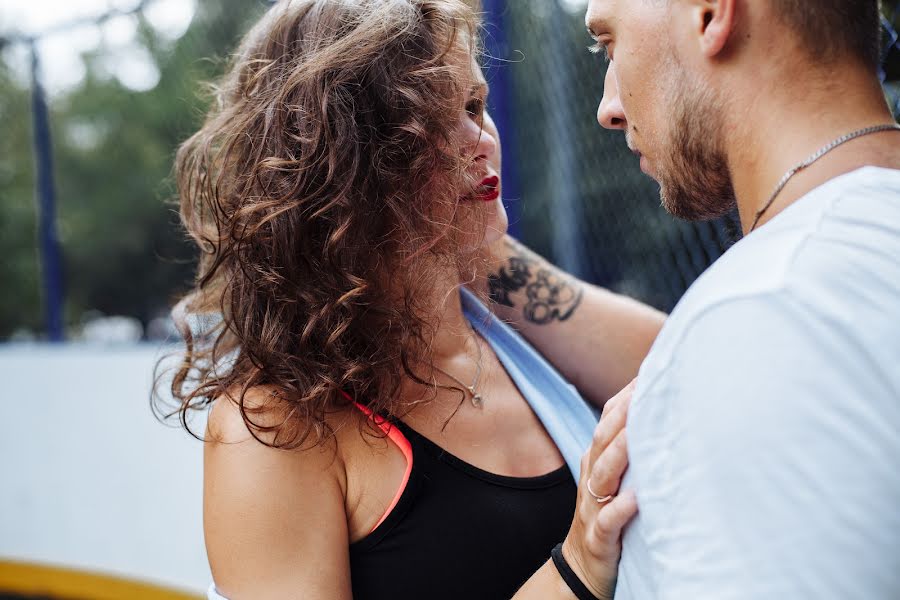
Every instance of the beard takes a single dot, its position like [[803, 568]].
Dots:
[[695, 182]]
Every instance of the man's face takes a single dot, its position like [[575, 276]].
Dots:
[[671, 117]]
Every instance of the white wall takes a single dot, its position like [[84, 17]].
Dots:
[[88, 477]]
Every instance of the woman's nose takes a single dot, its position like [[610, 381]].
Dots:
[[481, 143], [610, 114]]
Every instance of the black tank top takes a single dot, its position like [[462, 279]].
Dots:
[[458, 532]]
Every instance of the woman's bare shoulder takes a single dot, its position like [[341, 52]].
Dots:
[[259, 432], [274, 518], [263, 406]]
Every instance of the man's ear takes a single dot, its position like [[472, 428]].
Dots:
[[714, 22]]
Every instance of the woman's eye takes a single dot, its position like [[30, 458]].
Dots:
[[475, 107]]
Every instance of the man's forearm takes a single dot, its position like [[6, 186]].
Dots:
[[597, 339]]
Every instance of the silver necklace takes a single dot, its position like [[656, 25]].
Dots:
[[819, 154], [474, 396]]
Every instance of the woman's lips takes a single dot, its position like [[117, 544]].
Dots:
[[488, 191]]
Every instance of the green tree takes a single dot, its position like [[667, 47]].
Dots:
[[19, 294], [123, 251]]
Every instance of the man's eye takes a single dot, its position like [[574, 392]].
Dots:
[[475, 107]]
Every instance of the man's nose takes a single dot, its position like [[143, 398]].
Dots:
[[610, 114]]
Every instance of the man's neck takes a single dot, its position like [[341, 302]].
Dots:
[[785, 123]]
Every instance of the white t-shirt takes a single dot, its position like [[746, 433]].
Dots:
[[764, 434]]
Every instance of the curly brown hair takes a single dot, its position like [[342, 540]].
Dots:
[[322, 190]]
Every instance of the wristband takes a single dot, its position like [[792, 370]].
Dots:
[[568, 575]]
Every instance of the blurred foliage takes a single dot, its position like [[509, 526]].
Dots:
[[19, 292], [113, 150]]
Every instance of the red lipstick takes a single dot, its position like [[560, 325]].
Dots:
[[488, 190]]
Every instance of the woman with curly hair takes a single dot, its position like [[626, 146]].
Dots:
[[365, 436]]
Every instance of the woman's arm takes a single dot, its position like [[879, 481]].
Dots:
[[594, 543], [274, 520], [597, 339]]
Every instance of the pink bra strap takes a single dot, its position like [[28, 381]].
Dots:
[[400, 440]]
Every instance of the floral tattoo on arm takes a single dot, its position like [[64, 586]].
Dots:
[[549, 295]]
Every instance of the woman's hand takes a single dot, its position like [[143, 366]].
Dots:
[[594, 543]]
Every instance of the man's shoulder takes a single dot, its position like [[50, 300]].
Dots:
[[776, 371], [831, 259]]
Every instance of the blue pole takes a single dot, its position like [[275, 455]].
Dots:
[[48, 242], [500, 104]]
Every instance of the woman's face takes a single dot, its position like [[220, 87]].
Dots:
[[497, 221], [481, 141]]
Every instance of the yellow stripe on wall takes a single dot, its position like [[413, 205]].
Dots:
[[63, 583]]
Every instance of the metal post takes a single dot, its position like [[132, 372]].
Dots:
[[499, 76], [48, 242]]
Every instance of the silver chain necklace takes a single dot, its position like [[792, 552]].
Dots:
[[474, 396], [819, 154]]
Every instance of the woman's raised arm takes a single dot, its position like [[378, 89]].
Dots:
[[596, 338]]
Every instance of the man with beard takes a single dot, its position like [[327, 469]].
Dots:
[[765, 427]]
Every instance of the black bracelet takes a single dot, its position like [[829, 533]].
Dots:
[[568, 575]]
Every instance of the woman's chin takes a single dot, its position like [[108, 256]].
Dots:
[[497, 224]]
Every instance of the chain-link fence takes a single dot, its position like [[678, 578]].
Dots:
[[582, 200], [576, 193]]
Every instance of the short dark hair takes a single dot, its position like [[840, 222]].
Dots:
[[831, 28]]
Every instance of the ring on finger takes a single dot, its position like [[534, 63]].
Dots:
[[595, 496]]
